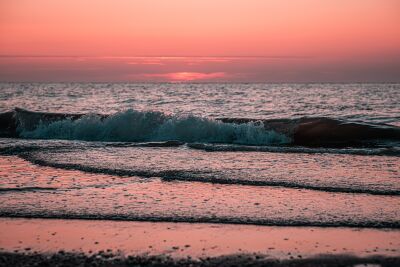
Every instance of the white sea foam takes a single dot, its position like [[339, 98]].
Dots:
[[139, 126]]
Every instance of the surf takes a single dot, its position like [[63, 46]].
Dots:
[[154, 126]]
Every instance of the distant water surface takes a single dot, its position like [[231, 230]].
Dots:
[[365, 102]]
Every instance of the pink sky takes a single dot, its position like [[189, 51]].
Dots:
[[208, 40]]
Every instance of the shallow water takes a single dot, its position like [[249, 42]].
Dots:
[[215, 172], [323, 172], [45, 192]]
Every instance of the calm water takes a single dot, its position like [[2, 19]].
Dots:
[[217, 172]]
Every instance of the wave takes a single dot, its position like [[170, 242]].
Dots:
[[20, 146], [370, 151], [199, 219], [24, 189], [153, 126], [330, 132], [136, 126], [208, 177]]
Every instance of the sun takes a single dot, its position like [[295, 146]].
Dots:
[[193, 76]]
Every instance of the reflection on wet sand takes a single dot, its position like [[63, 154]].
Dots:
[[195, 240]]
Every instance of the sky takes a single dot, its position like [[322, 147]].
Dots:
[[200, 40]]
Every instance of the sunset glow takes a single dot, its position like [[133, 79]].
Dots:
[[254, 40], [186, 76]]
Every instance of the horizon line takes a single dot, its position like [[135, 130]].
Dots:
[[161, 56]]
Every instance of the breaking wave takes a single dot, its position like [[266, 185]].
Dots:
[[137, 126], [154, 126]]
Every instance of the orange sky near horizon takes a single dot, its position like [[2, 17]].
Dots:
[[224, 40]]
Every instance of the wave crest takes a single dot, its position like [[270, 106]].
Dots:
[[137, 126]]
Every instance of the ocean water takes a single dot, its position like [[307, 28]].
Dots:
[[366, 102], [267, 154]]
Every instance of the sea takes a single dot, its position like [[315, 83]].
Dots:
[[317, 154]]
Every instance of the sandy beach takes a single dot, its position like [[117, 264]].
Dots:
[[195, 242]]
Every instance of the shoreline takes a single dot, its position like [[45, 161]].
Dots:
[[27, 242], [181, 240]]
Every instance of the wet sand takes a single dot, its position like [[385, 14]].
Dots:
[[34, 238]]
